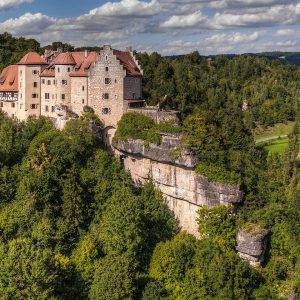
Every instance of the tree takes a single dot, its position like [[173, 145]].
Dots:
[[26, 272], [114, 279], [218, 225]]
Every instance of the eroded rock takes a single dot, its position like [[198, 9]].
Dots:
[[252, 244]]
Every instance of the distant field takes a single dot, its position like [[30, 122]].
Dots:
[[278, 132], [276, 146], [279, 129]]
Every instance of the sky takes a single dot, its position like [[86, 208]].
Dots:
[[166, 26]]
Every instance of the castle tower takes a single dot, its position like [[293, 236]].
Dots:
[[29, 68]]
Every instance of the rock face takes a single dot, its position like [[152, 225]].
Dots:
[[252, 246], [171, 150], [184, 190]]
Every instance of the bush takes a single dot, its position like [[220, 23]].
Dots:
[[218, 174]]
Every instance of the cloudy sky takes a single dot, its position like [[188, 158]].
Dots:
[[166, 26]]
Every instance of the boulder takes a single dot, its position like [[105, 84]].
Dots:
[[252, 244]]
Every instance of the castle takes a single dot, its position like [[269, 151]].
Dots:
[[109, 81]]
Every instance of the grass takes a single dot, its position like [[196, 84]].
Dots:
[[276, 146], [276, 130]]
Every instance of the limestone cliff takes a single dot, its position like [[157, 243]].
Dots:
[[184, 190]]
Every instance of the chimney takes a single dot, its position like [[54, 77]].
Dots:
[[85, 53], [128, 49]]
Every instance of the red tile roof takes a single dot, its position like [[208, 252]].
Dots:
[[9, 79], [65, 58], [128, 63], [48, 73], [32, 58], [83, 63]]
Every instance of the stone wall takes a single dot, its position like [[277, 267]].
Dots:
[[79, 94], [132, 87], [157, 115], [107, 66], [184, 190]]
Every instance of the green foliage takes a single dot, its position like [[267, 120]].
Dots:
[[26, 272], [13, 49], [133, 126], [217, 224], [218, 174], [175, 153], [268, 87], [138, 126], [114, 279], [67, 207], [186, 268]]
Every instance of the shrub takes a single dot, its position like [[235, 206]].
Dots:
[[218, 174]]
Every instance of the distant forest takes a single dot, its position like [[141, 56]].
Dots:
[[73, 226]]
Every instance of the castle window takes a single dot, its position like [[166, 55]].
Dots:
[[35, 84], [35, 72], [69, 69], [115, 80], [20, 72], [105, 96], [82, 101], [106, 69], [83, 88], [12, 104], [43, 81], [58, 70], [48, 82], [47, 108], [106, 111], [63, 96], [106, 57], [107, 80], [35, 96], [64, 82], [52, 108], [34, 106], [47, 96], [54, 82], [13, 116]]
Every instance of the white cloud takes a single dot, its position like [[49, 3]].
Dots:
[[278, 14], [134, 8], [235, 38], [28, 24], [7, 4], [185, 21], [286, 32], [104, 36]]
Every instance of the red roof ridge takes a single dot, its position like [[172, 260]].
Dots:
[[32, 58], [65, 58]]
